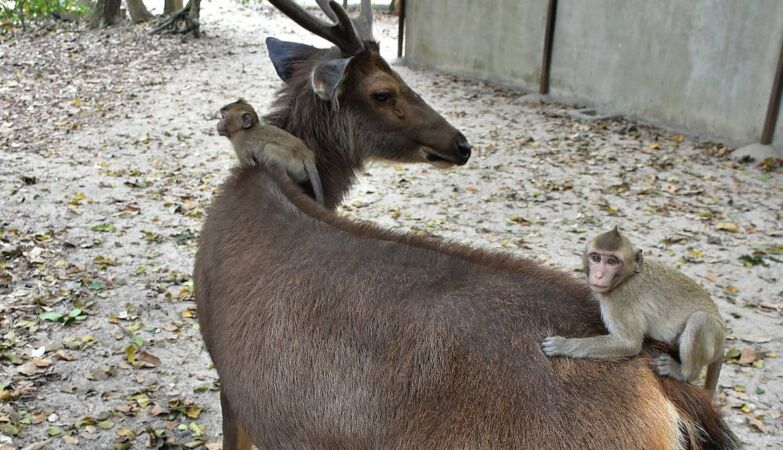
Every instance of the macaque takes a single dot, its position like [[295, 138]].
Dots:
[[646, 298], [254, 142]]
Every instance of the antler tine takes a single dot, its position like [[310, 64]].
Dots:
[[362, 23], [342, 34], [324, 5]]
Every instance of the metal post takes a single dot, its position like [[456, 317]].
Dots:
[[774, 102], [551, 15], [401, 29]]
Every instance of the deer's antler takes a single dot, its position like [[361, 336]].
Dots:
[[362, 23], [342, 33]]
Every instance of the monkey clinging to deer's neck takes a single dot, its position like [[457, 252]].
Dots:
[[254, 142], [644, 298]]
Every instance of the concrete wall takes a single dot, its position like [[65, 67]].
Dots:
[[494, 40], [703, 66]]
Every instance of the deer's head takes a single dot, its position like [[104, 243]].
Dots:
[[388, 119]]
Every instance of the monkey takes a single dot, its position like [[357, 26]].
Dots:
[[646, 298], [254, 141]]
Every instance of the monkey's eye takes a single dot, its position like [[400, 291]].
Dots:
[[595, 257], [612, 261], [381, 97]]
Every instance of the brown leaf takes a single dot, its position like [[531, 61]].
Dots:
[[27, 368], [148, 359], [37, 445], [158, 410], [747, 356], [41, 362], [63, 356], [758, 424]]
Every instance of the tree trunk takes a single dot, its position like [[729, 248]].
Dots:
[[184, 21], [20, 9], [106, 13], [138, 11], [394, 7], [172, 6], [193, 16]]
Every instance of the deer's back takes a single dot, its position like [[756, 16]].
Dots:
[[324, 339]]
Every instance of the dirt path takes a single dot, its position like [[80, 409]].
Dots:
[[99, 219]]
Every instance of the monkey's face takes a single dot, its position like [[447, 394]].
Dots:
[[222, 127], [604, 271]]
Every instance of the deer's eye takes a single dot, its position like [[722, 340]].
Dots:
[[381, 96]]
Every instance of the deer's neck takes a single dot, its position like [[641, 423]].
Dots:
[[331, 136]]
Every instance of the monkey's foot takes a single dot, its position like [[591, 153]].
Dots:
[[666, 365], [554, 345]]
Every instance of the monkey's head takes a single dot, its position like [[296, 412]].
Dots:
[[609, 260], [235, 118]]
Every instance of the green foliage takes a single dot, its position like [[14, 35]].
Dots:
[[14, 13]]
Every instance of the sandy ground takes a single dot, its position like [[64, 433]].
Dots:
[[99, 345]]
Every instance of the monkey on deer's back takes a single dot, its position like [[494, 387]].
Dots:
[[641, 298], [254, 142]]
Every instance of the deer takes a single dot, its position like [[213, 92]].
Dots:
[[328, 332]]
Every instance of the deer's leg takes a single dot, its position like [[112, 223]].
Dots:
[[234, 436]]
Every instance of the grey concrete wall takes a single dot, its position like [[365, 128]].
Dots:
[[493, 40], [702, 66]]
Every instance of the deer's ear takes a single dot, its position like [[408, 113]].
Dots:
[[286, 55], [326, 79]]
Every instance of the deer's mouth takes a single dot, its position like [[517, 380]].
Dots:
[[438, 160]]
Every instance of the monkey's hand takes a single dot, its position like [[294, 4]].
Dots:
[[555, 346]]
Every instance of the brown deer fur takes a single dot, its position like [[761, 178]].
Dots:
[[328, 333]]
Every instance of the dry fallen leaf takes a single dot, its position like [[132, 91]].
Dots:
[[747, 356], [41, 362], [63, 356], [27, 368], [148, 359], [728, 227], [37, 445], [758, 424]]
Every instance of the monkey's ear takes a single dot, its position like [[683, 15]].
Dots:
[[638, 261], [326, 80], [247, 120], [285, 55]]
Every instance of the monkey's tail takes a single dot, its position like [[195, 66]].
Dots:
[[315, 182], [704, 427], [713, 372]]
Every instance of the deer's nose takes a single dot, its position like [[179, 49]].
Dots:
[[463, 148]]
